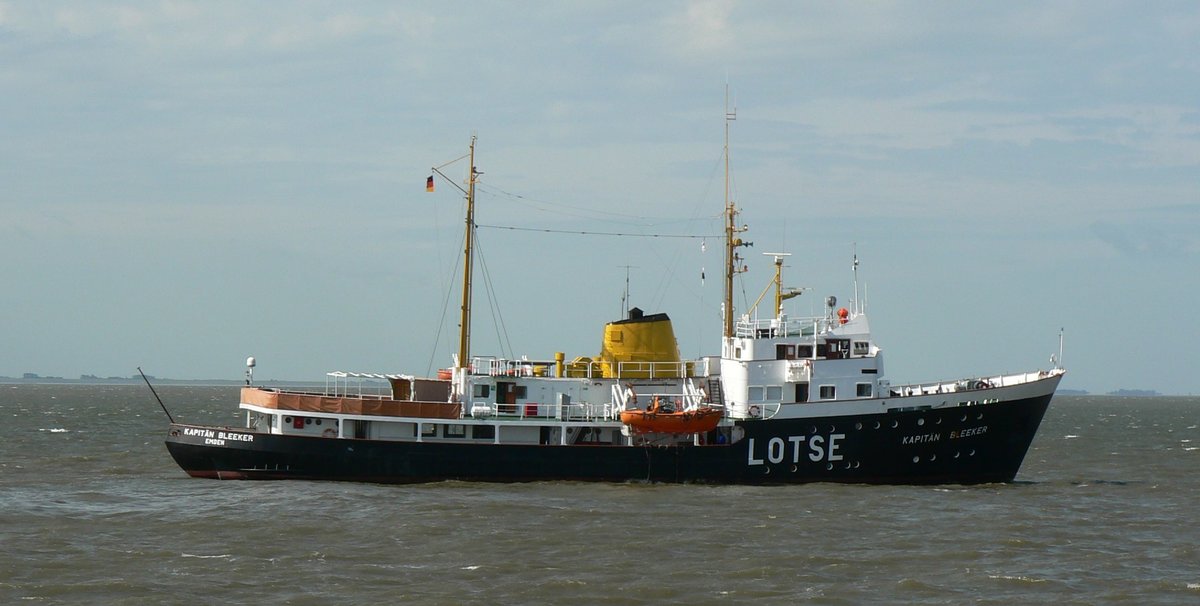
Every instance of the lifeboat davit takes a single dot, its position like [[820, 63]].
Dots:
[[656, 419]]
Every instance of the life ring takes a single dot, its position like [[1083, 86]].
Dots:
[[329, 433], [754, 411]]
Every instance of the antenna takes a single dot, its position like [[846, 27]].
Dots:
[[857, 302], [625, 296]]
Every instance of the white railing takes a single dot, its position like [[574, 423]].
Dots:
[[502, 367], [350, 384], [776, 328], [971, 384]]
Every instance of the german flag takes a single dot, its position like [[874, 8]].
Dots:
[[429, 183]]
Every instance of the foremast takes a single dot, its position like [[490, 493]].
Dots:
[[462, 362], [464, 325]]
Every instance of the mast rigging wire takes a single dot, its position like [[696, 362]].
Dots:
[[596, 233]]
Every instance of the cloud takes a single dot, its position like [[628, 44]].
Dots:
[[1157, 232]]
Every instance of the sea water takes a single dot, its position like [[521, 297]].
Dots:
[[93, 510]]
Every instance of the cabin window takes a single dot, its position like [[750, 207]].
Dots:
[[774, 393], [863, 390], [520, 391], [802, 392], [483, 432], [804, 351], [482, 391], [755, 394], [428, 430], [784, 351], [456, 431], [861, 348], [828, 392]]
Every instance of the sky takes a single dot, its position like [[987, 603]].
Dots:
[[185, 184]]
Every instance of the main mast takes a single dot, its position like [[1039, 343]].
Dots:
[[464, 330], [731, 229]]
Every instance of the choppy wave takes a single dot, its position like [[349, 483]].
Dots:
[[102, 515]]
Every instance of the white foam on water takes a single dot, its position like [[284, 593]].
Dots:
[[1007, 577]]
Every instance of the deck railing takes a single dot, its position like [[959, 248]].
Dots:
[[972, 384]]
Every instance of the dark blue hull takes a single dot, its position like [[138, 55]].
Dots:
[[959, 445]]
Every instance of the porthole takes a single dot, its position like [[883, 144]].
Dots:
[[308, 421], [972, 453], [829, 467], [858, 426], [980, 416], [895, 424], [876, 424], [318, 421], [932, 458], [920, 421], [795, 468], [916, 459]]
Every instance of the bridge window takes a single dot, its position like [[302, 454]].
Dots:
[[483, 432], [828, 392], [862, 348], [864, 390], [774, 393], [456, 431], [755, 394]]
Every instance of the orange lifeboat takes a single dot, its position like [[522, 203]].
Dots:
[[655, 419]]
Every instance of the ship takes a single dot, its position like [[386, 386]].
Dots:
[[789, 399]]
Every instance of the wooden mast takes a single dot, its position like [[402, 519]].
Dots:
[[464, 330]]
